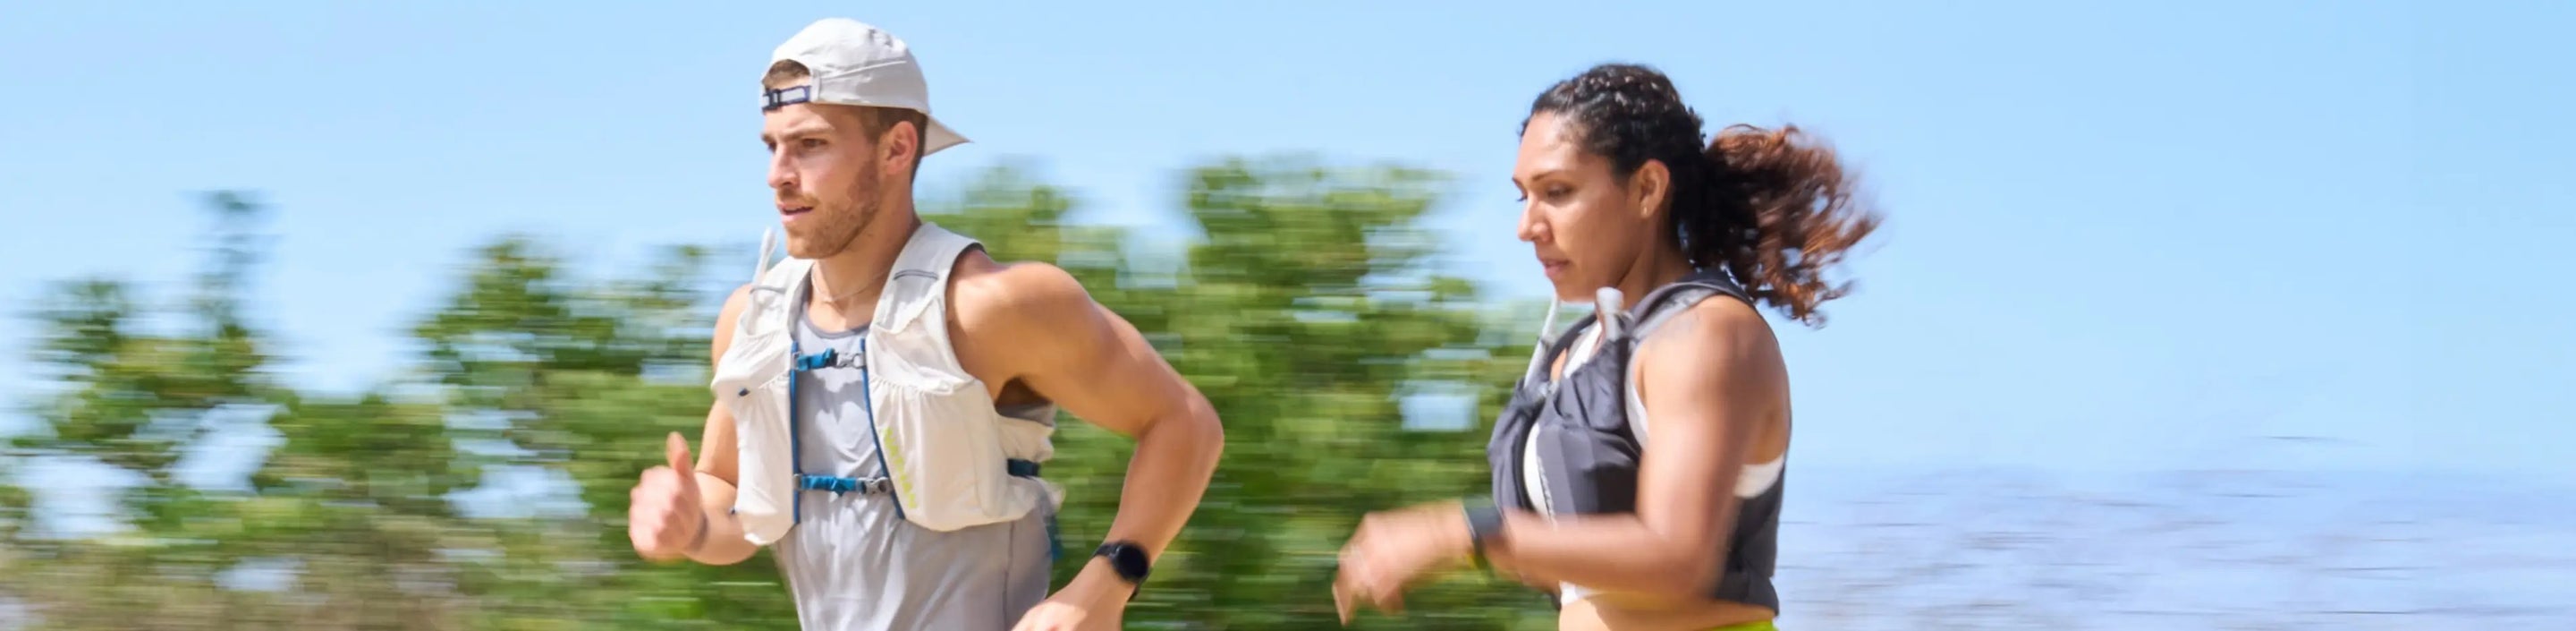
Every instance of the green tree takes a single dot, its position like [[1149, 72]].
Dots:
[[1307, 313], [132, 400], [345, 524], [582, 379]]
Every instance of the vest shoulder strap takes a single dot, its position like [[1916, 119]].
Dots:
[[775, 291], [1638, 321], [919, 279], [1671, 300], [787, 276]]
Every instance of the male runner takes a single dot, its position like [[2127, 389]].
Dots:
[[960, 341]]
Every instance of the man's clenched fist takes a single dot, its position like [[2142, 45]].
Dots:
[[664, 517]]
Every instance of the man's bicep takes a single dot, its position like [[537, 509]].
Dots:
[[716, 447], [1100, 368]]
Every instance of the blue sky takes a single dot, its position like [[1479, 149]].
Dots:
[[2135, 236]]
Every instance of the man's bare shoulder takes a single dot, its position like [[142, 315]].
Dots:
[[725, 317], [735, 301], [1009, 319], [990, 296]]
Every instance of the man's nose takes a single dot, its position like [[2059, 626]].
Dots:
[[782, 174]]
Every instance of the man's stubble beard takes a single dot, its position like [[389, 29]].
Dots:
[[831, 238]]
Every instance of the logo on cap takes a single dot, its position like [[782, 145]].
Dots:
[[852, 63]]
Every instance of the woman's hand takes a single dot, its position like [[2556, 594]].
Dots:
[[1393, 550]]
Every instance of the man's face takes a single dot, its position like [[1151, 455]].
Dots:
[[823, 168]]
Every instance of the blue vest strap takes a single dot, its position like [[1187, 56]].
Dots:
[[872, 486]]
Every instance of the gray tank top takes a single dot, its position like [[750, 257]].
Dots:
[[853, 564]]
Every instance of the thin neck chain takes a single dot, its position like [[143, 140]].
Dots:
[[836, 299]]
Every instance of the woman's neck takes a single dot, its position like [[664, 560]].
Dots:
[[1657, 268]]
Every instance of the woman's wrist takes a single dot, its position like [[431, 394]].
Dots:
[[1484, 529]]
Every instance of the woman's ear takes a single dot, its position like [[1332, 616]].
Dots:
[[1650, 187]]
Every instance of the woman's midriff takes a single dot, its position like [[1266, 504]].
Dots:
[[1591, 614]]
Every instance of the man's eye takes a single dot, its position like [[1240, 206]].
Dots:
[[810, 143]]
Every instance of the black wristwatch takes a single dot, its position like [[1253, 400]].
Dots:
[[1484, 524], [1130, 562]]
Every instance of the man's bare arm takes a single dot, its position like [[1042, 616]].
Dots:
[[718, 456], [1095, 364]]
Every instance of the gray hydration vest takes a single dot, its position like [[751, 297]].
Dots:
[[1577, 428]]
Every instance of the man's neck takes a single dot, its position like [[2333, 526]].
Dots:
[[847, 284]]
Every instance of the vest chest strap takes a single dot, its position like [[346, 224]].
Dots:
[[878, 485]]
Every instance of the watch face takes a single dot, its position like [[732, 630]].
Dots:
[[1128, 559]]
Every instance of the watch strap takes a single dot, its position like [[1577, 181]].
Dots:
[[1128, 559], [1484, 523]]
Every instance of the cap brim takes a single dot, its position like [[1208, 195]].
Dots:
[[938, 137]]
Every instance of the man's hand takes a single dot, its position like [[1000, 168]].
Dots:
[[663, 517], [1095, 600]]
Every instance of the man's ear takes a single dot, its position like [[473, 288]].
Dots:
[[899, 147]]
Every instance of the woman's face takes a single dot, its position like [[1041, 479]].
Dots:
[[1584, 225]]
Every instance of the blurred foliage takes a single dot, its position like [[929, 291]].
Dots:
[[1307, 312]]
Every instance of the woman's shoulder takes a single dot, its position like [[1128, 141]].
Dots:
[[1711, 328], [1716, 349]]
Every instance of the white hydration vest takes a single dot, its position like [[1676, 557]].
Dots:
[[951, 461]]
